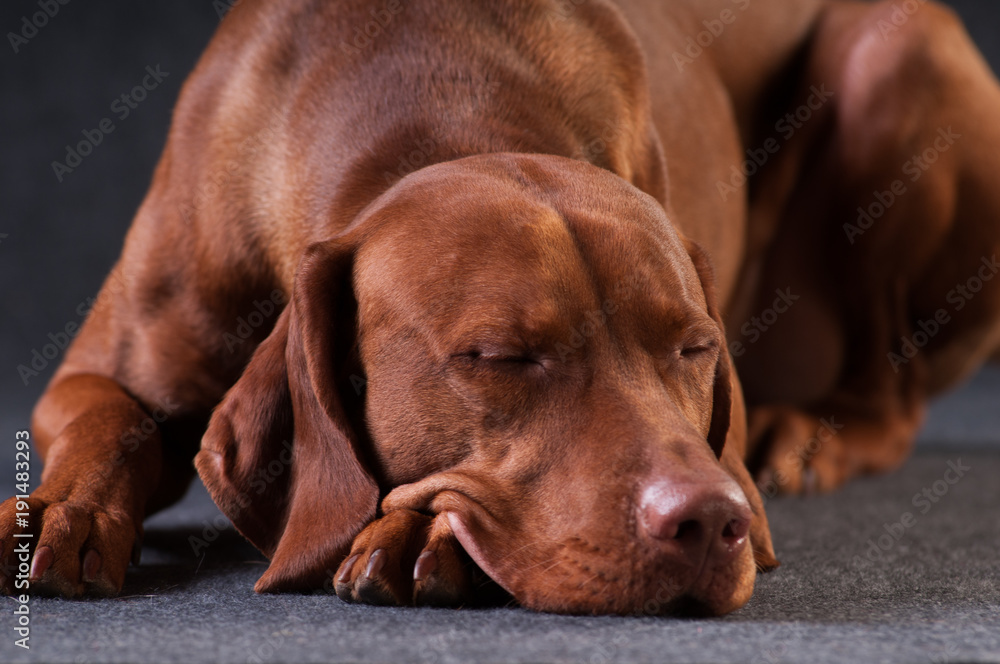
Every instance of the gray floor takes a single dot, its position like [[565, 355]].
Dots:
[[842, 594]]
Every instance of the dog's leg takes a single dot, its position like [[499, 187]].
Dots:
[[113, 454], [85, 518], [885, 249], [118, 426]]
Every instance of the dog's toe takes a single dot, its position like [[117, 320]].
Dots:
[[405, 558], [441, 574], [63, 548], [800, 454]]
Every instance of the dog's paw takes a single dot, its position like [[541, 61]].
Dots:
[[406, 558], [798, 453], [64, 547]]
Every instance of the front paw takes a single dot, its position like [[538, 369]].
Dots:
[[406, 558], [75, 547], [798, 453]]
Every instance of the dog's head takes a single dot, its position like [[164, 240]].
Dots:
[[524, 343]]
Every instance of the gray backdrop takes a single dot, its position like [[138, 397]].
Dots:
[[58, 239]]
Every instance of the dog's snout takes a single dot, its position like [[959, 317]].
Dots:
[[695, 523]]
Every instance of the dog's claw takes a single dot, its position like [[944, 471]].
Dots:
[[405, 558], [345, 568], [375, 564], [426, 565], [91, 566], [40, 563]]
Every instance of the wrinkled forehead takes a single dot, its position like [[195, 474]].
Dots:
[[487, 255], [503, 259]]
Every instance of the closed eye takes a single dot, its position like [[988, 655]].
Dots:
[[695, 350], [498, 360]]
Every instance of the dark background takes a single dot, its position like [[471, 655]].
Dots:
[[62, 237]]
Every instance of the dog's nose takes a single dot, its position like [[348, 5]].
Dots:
[[696, 522]]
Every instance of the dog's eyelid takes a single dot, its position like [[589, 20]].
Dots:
[[698, 346], [509, 356], [526, 358], [483, 351]]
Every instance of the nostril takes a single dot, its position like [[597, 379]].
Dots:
[[688, 530], [735, 530]]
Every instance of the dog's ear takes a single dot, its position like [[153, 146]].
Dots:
[[727, 433], [279, 456], [722, 392], [722, 400]]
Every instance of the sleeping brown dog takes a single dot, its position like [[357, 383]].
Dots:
[[442, 283]]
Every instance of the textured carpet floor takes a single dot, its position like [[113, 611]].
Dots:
[[933, 595]]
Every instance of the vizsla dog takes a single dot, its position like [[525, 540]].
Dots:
[[433, 288]]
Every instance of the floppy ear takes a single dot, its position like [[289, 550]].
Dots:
[[279, 457], [722, 400], [722, 392], [727, 433]]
